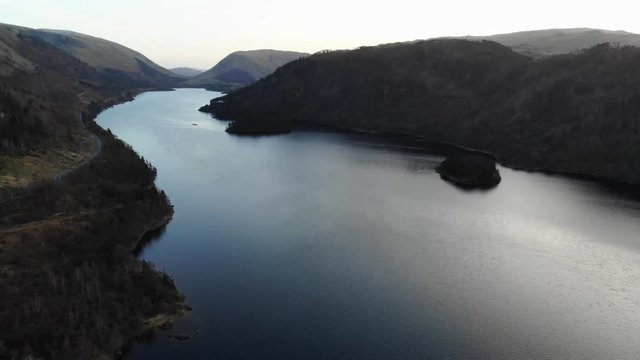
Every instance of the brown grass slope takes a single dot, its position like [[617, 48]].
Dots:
[[105, 56]]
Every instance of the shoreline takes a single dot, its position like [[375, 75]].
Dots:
[[178, 309], [424, 142], [74, 238]]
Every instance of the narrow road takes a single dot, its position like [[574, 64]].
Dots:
[[58, 176]]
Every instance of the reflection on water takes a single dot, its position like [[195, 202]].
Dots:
[[149, 238], [318, 245]]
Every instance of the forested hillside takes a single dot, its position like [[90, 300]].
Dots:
[[573, 113], [38, 81], [71, 288]]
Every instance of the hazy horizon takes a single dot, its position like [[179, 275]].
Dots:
[[197, 33]]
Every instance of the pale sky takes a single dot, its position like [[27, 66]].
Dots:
[[198, 33]]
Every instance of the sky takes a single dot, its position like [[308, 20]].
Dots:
[[199, 33]]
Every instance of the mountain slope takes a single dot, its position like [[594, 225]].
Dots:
[[186, 72], [107, 56], [539, 43], [242, 68], [574, 113], [38, 92], [65, 244], [44, 88]]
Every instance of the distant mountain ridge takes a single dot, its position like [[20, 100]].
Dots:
[[186, 72], [538, 43], [242, 68]]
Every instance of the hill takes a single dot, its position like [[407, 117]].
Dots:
[[242, 68], [71, 288], [106, 56], [186, 72], [44, 88], [573, 113], [38, 93], [539, 43]]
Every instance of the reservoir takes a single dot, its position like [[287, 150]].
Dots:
[[320, 245]]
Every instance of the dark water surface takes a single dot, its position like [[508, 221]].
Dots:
[[334, 246]]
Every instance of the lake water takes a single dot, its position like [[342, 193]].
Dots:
[[319, 245]]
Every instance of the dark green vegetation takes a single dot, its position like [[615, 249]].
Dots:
[[71, 288], [470, 170], [575, 113], [242, 68], [540, 43]]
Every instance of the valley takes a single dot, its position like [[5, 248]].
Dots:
[[308, 207]]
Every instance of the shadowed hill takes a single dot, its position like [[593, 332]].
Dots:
[[83, 226], [106, 56], [539, 43], [43, 75], [43, 89], [573, 113], [38, 92], [242, 68]]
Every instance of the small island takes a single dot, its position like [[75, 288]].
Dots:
[[474, 170]]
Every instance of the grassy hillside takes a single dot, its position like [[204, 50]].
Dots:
[[106, 56], [242, 68], [539, 43], [574, 113]]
